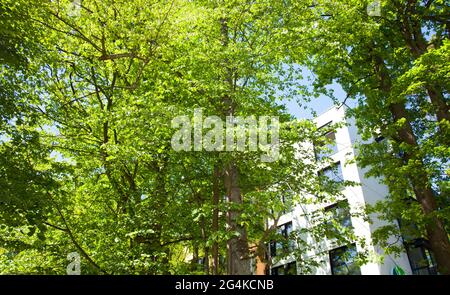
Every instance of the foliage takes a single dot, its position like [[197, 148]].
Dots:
[[86, 163]]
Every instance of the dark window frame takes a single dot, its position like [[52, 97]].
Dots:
[[428, 261], [411, 243], [337, 165], [286, 199], [332, 145], [342, 249], [285, 245], [287, 268], [380, 138], [334, 210]]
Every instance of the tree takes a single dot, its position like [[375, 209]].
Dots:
[[106, 82], [25, 169], [381, 61]]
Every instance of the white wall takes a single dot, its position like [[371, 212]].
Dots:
[[368, 192]]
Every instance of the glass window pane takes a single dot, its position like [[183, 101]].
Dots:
[[286, 269], [339, 213], [421, 260], [285, 243], [279, 247], [331, 137], [342, 261], [273, 249], [287, 229], [330, 146], [278, 271], [333, 173]]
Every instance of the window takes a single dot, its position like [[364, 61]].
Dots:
[[379, 138], [326, 147], [278, 271], [420, 258], [287, 200], [278, 247], [286, 269], [339, 212], [333, 173], [342, 261]]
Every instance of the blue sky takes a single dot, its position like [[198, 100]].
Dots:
[[318, 105], [301, 76]]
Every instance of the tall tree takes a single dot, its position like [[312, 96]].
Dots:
[[109, 78], [382, 61]]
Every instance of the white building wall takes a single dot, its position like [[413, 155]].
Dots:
[[368, 192]]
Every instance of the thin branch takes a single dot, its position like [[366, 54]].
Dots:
[[55, 226], [72, 237], [80, 34]]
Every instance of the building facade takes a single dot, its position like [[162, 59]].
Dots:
[[333, 259]]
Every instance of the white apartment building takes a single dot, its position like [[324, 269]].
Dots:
[[415, 260]]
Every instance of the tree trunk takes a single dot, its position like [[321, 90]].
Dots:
[[237, 247], [215, 221], [205, 247], [412, 33], [238, 256], [206, 261], [436, 233], [262, 264], [441, 107], [194, 261]]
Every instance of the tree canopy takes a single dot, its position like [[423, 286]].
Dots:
[[89, 91]]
